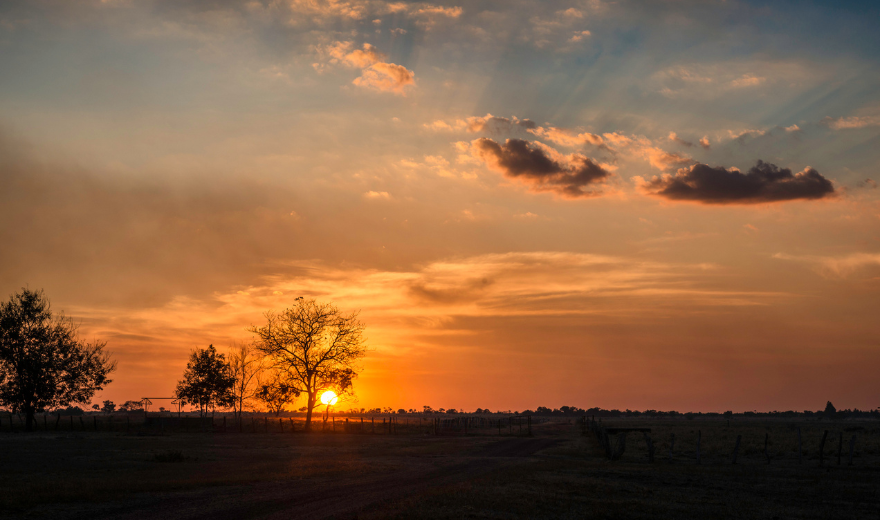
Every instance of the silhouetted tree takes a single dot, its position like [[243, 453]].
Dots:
[[316, 346], [275, 391], [246, 363], [207, 381], [830, 410], [108, 407], [132, 406], [42, 362]]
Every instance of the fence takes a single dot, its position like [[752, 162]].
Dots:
[[254, 423], [786, 443]]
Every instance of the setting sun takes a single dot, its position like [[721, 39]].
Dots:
[[329, 397]]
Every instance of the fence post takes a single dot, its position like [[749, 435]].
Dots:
[[839, 448], [530, 427], [671, 447], [71, 422], [292, 427], [57, 420], [95, 423], [266, 424], [852, 448], [281, 424], [224, 424], [736, 448], [766, 449], [822, 449], [82, 423], [45, 426], [800, 447], [650, 444]]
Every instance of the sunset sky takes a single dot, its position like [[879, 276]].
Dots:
[[625, 204]]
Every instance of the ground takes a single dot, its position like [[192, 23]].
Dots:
[[557, 472]]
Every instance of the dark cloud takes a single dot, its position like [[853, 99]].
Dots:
[[531, 163], [498, 125], [676, 139], [764, 182]]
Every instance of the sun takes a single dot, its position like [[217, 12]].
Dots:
[[329, 397]]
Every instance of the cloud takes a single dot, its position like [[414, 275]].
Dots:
[[845, 123], [836, 266], [376, 73], [489, 124], [675, 139], [718, 185], [386, 77], [377, 195], [565, 137], [704, 142], [541, 167]]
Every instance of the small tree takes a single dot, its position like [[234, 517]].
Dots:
[[42, 362], [108, 407], [246, 363], [207, 381], [275, 391], [131, 406], [316, 346], [830, 410]]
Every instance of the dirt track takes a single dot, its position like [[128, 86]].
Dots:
[[316, 498]]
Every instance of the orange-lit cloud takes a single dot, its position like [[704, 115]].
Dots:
[[376, 74]]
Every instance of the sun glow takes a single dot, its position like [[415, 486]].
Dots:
[[329, 398]]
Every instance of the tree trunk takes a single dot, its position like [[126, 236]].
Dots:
[[309, 406]]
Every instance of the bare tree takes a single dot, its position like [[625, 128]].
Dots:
[[42, 362], [316, 346], [246, 363]]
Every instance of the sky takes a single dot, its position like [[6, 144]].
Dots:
[[625, 204]]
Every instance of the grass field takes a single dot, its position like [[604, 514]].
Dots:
[[558, 472]]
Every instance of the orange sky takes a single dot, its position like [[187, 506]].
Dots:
[[587, 203]]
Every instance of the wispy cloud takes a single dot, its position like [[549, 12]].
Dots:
[[843, 266]]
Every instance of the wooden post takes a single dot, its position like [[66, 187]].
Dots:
[[266, 424], [281, 424], [334, 424], [822, 448], [45, 426], [800, 447], [57, 420], [253, 425], [766, 449], [292, 427], [650, 444], [736, 448], [530, 428], [671, 446], [852, 448], [71, 422], [699, 438], [839, 448], [95, 424], [82, 424], [373, 424]]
